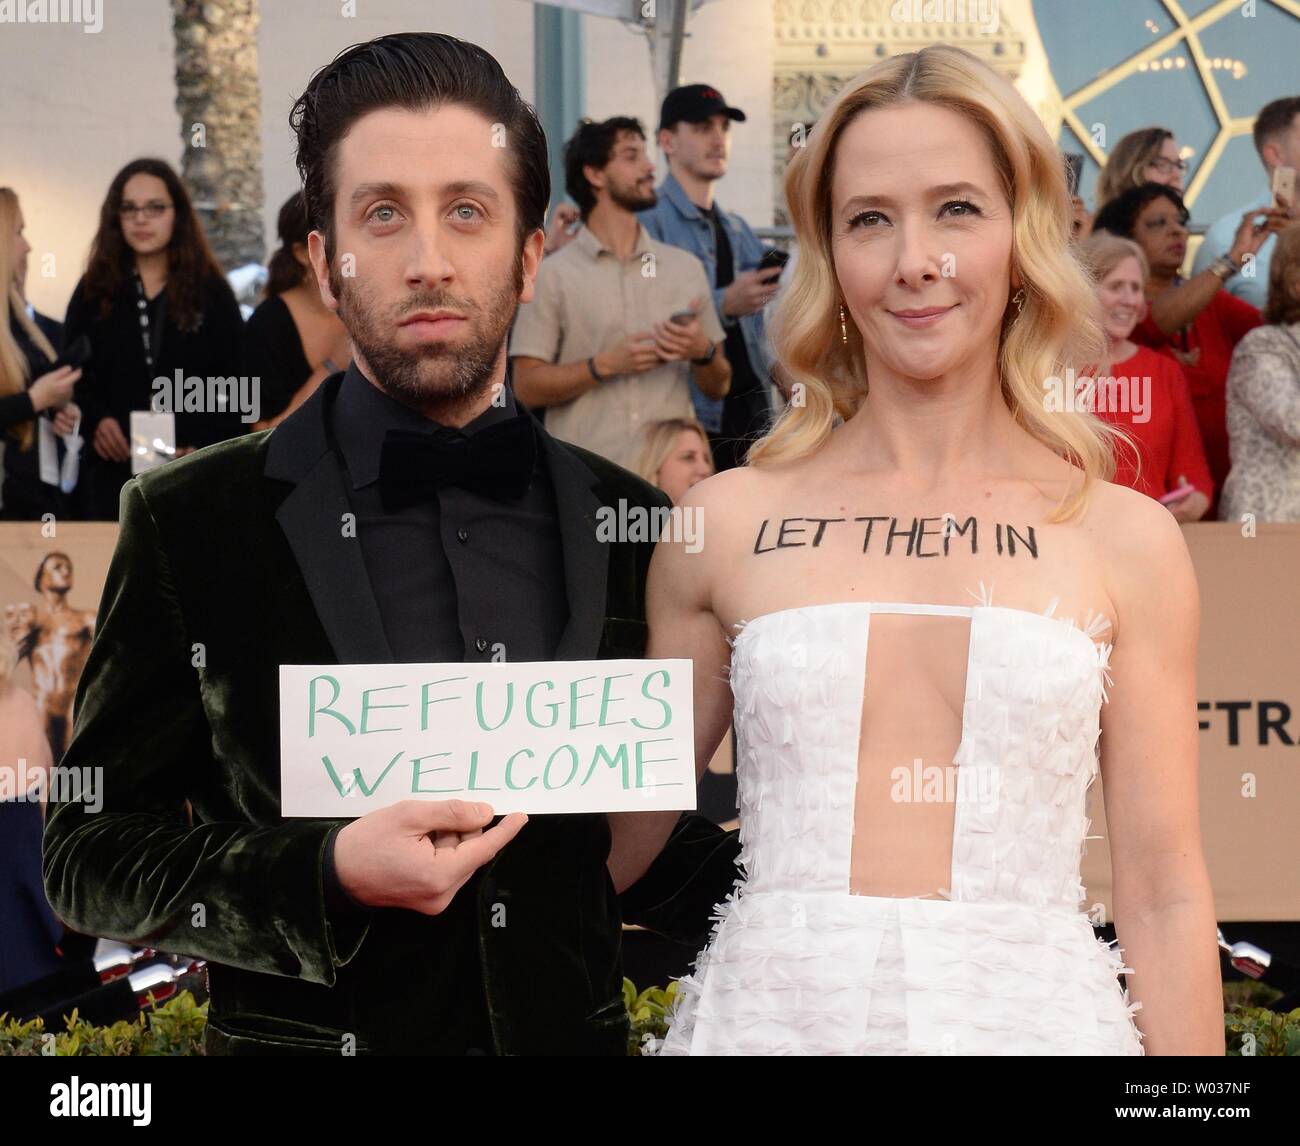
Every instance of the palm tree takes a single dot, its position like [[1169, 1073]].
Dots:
[[219, 101]]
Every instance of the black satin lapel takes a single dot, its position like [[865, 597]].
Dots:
[[312, 517], [586, 558]]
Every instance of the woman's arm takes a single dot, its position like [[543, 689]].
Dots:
[[679, 611], [1163, 903], [1173, 309], [16, 408], [1264, 381]]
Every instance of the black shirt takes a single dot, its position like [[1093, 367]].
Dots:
[[275, 355], [462, 577], [746, 413]]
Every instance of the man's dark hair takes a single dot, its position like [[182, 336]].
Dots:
[[1275, 119], [417, 71], [1120, 215], [591, 146]]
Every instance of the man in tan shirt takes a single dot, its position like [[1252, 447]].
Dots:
[[597, 346]]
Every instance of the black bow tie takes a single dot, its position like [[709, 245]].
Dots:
[[496, 461]]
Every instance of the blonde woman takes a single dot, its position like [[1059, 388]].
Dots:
[[28, 387], [1148, 155], [676, 455], [1144, 392], [913, 766]]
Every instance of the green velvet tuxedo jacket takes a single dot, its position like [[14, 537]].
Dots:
[[231, 562]]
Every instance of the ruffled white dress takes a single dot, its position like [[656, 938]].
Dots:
[[1003, 961]]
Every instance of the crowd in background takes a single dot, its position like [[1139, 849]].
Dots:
[[647, 339]]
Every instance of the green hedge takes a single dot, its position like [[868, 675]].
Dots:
[[176, 1027]]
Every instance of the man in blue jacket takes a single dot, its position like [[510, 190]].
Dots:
[[694, 133]]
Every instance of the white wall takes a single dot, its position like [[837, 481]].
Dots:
[[76, 107]]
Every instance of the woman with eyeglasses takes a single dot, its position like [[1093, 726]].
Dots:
[[1148, 155], [1195, 320], [153, 302]]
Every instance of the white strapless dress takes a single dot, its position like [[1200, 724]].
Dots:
[[1005, 962]]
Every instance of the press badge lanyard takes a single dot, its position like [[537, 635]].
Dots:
[[152, 342]]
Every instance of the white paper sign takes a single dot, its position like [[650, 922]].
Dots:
[[534, 736]]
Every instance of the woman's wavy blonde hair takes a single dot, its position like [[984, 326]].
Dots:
[[1059, 326]]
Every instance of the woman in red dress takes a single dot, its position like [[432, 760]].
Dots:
[[1201, 331], [1143, 392]]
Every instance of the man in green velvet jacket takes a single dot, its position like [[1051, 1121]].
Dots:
[[233, 561]]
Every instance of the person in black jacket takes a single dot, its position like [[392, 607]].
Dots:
[[156, 306], [422, 927], [28, 385]]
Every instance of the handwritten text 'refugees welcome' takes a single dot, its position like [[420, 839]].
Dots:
[[511, 719]]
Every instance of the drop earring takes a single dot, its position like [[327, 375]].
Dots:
[[844, 330], [1018, 301]]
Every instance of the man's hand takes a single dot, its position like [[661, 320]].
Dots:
[[750, 291], [634, 355], [417, 854], [1250, 237], [557, 232], [109, 441], [679, 340]]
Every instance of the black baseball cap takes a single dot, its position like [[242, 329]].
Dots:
[[695, 103]]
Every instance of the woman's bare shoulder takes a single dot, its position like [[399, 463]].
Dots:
[[730, 493], [1129, 517], [1143, 551]]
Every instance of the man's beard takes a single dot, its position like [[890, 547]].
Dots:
[[431, 371], [632, 198]]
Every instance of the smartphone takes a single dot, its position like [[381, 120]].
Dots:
[[1177, 494], [1073, 170], [1284, 186], [775, 259], [75, 355], [682, 316]]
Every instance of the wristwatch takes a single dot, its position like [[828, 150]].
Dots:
[[713, 349]]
